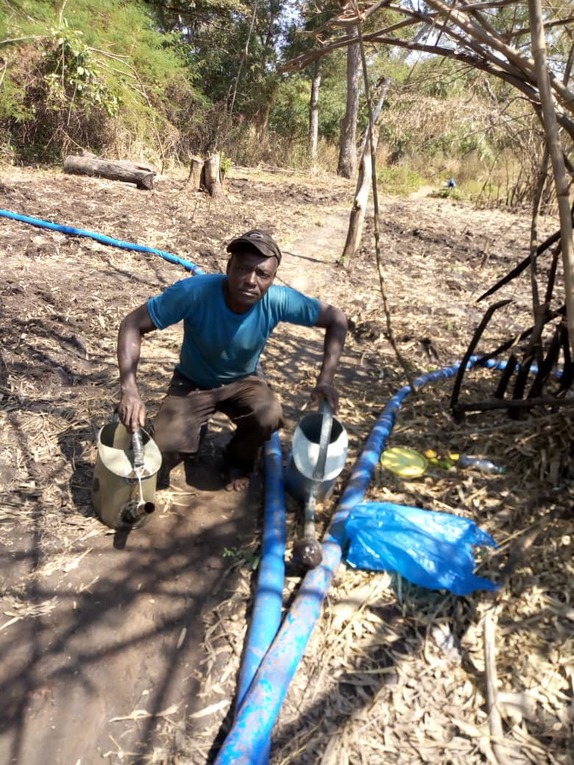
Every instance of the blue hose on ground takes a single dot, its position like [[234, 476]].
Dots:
[[102, 238], [267, 608], [248, 739]]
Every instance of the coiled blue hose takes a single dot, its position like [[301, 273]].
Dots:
[[102, 238]]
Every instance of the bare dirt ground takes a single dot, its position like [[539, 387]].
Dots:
[[126, 651]]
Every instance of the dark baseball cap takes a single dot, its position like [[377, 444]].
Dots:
[[259, 240]]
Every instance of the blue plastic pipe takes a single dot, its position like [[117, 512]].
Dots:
[[104, 239], [268, 604], [248, 740]]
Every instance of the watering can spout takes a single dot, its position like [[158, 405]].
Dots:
[[132, 512]]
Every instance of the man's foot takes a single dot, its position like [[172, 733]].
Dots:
[[236, 479]]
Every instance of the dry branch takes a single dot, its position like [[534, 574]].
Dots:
[[476, 43], [557, 157]]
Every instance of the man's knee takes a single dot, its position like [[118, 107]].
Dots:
[[269, 414]]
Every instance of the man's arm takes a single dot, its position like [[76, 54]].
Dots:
[[131, 410], [334, 322]]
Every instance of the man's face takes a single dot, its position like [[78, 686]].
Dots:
[[249, 276]]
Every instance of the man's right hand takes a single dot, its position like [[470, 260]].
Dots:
[[132, 411]]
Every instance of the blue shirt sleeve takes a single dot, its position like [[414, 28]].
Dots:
[[294, 307]]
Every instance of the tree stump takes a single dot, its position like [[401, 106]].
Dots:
[[118, 170], [195, 171], [211, 176]]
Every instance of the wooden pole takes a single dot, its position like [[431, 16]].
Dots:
[[556, 154], [314, 112], [364, 182], [360, 204]]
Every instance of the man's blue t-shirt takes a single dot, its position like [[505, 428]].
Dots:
[[220, 346]]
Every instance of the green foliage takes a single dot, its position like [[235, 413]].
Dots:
[[12, 104], [290, 113], [233, 47], [399, 180], [225, 163], [447, 193], [71, 73], [161, 80], [243, 557], [332, 104], [102, 76]]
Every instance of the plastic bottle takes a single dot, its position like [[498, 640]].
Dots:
[[478, 463]]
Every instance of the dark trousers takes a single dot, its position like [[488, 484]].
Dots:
[[249, 403]]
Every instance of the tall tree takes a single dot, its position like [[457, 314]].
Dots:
[[323, 74], [314, 111], [234, 46], [347, 165]]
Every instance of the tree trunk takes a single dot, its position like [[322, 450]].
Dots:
[[359, 209], [314, 112], [118, 170], [211, 176], [268, 96], [195, 170], [348, 142], [557, 157]]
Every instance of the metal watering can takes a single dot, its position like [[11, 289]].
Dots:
[[125, 476], [318, 454], [300, 475]]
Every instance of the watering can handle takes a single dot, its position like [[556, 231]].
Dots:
[[324, 440], [137, 446]]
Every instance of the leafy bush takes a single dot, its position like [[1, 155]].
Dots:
[[399, 179], [66, 87]]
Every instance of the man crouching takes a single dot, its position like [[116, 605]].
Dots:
[[227, 320]]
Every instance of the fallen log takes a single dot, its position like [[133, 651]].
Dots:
[[113, 170]]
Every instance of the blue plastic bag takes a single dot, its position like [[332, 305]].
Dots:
[[431, 549]]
